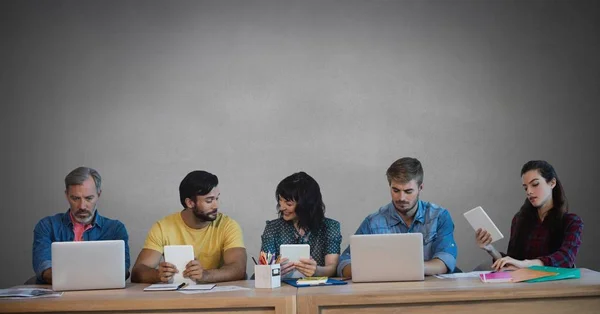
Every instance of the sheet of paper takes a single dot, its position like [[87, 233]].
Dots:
[[180, 256], [199, 287], [28, 293], [215, 289], [473, 274]]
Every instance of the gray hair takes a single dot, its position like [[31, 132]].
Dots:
[[79, 175]]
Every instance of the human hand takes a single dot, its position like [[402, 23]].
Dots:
[[166, 271], [194, 271], [307, 266], [483, 238], [508, 263], [286, 266]]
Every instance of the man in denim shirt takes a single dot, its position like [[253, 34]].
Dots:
[[81, 222], [407, 214]]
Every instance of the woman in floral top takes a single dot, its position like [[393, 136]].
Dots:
[[302, 221]]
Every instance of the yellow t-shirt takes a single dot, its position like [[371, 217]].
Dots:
[[209, 242]]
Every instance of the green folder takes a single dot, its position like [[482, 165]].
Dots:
[[563, 273]]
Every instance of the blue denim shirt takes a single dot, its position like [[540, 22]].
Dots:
[[59, 228], [431, 220]]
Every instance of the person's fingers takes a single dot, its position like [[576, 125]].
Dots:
[[192, 270], [487, 239], [166, 268], [286, 270], [305, 268], [503, 262], [167, 274], [308, 261], [289, 266], [168, 265], [192, 263], [496, 263]]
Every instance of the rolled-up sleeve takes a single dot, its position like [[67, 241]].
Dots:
[[444, 246], [42, 248], [345, 257]]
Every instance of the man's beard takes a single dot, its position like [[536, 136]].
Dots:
[[204, 217], [86, 220], [405, 210]]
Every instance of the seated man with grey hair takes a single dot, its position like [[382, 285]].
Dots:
[[81, 222]]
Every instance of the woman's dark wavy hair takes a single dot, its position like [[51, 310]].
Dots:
[[527, 215], [305, 191]]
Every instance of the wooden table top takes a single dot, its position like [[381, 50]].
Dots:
[[134, 298], [435, 289]]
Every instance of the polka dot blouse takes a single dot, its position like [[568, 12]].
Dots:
[[324, 241]]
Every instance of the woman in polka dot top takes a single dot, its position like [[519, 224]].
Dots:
[[302, 221]]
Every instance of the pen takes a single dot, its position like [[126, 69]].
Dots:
[[180, 286], [254, 259]]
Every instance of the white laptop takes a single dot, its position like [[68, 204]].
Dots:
[[88, 265], [387, 257]]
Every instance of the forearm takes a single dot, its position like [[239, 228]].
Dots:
[[435, 266], [225, 273], [325, 271], [47, 276], [144, 274], [533, 262], [347, 271], [491, 250]]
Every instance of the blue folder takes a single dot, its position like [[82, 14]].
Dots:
[[330, 282]]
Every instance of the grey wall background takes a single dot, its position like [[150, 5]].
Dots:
[[146, 91]]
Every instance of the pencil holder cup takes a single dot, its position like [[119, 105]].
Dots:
[[267, 276]]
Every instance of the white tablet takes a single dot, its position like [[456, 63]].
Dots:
[[478, 218], [180, 256], [293, 252]]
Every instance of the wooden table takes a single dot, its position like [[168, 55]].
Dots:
[[133, 300], [465, 295]]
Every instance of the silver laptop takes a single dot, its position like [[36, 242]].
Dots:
[[387, 257], [88, 265]]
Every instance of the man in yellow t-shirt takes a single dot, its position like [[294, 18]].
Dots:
[[217, 239]]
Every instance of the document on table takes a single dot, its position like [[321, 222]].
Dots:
[[215, 289], [473, 274], [183, 286], [28, 293]]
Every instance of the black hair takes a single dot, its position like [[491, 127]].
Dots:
[[305, 191], [197, 182], [527, 215]]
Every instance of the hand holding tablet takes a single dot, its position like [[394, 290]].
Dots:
[[293, 253], [479, 219]]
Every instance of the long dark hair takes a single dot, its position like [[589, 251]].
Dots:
[[305, 191], [527, 215]]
